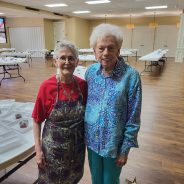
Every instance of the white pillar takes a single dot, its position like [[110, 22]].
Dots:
[[179, 55]]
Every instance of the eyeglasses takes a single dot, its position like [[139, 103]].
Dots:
[[109, 49], [65, 58]]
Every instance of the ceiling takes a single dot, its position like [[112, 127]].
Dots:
[[116, 9]]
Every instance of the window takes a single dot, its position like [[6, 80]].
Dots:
[[2, 31]]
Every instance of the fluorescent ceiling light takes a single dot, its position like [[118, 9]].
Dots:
[[155, 7], [78, 12], [1, 13], [55, 5], [98, 2]]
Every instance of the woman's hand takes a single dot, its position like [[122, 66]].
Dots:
[[40, 159], [121, 160]]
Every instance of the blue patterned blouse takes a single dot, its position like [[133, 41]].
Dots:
[[112, 118]]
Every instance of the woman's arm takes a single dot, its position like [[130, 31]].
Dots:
[[133, 120], [37, 138]]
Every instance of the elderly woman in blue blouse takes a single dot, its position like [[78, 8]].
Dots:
[[112, 117]]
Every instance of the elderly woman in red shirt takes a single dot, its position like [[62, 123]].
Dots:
[[60, 104]]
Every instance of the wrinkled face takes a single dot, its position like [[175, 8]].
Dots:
[[106, 51], [66, 62]]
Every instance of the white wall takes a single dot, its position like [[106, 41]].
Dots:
[[143, 39], [166, 38], [23, 38], [127, 34]]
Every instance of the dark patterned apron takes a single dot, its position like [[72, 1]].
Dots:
[[63, 142]]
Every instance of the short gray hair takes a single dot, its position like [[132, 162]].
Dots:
[[103, 30], [65, 44]]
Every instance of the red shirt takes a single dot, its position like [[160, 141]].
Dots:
[[47, 94]]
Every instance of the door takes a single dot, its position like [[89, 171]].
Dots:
[[59, 31], [143, 40]]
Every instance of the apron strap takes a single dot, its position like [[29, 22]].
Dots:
[[58, 85], [77, 85], [78, 88]]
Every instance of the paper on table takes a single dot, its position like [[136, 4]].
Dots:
[[11, 116], [8, 123], [3, 130], [23, 107], [6, 136], [9, 139], [10, 144], [7, 102]]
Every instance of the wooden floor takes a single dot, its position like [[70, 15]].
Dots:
[[160, 158]]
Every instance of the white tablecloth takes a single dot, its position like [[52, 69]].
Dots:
[[154, 56], [80, 71], [87, 58], [7, 50], [16, 54], [11, 60]]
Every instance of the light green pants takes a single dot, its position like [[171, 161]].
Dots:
[[103, 169]]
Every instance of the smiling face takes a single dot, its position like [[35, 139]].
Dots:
[[66, 62], [107, 51]]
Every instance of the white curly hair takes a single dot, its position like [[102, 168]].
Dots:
[[103, 30], [65, 44]]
